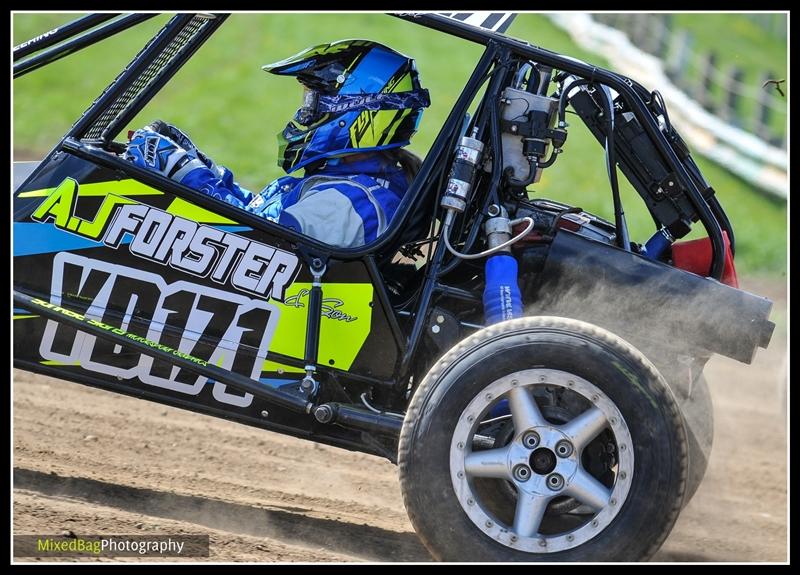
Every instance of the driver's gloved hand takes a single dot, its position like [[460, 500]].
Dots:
[[157, 152], [149, 149], [179, 137]]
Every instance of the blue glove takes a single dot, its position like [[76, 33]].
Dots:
[[154, 151], [179, 137]]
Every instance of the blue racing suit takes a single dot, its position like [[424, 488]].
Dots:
[[345, 204]]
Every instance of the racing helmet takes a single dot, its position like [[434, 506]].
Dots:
[[358, 96]]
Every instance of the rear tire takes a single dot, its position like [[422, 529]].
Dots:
[[468, 504], [698, 413]]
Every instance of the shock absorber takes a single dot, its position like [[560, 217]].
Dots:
[[309, 385], [502, 299]]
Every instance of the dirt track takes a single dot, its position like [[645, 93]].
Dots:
[[89, 461]]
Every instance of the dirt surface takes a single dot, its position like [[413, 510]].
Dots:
[[89, 461]]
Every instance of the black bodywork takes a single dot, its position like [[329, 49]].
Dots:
[[64, 332]]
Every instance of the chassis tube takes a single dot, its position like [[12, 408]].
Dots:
[[139, 102], [60, 33], [383, 299], [79, 43], [357, 418]]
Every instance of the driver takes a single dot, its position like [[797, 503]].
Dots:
[[362, 103]]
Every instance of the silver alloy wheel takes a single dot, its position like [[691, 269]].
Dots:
[[554, 465]]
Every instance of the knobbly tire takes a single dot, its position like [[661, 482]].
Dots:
[[543, 439]]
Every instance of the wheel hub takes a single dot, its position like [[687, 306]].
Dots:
[[542, 461]]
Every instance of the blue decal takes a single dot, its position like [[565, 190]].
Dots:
[[32, 238]]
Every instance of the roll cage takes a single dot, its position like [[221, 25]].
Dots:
[[92, 138]]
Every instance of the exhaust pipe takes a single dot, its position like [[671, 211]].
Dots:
[[648, 302]]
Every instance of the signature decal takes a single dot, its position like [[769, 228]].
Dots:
[[329, 306]]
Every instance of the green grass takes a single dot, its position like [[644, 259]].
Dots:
[[234, 111]]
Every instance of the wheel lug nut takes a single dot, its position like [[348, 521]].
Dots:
[[555, 481], [564, 448], [522, 472], [530, 439]]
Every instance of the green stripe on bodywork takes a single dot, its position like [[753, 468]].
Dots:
[[120, 188], [184, 209], [54, 362], [123, 188], [24, 316]]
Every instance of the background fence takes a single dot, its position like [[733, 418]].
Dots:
[[725, 85]]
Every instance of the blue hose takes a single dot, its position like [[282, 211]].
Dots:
[[502, 299], [657, 244]]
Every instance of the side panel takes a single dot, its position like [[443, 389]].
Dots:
[[102, 244]]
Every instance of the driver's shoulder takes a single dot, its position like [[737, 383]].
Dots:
[[317, 183]]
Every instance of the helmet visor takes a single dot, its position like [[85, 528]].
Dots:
[[308, 113]]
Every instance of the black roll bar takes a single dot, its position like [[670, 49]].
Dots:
[[79, 43], [56, 35]]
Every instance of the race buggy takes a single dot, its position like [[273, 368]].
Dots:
[[536, 374]]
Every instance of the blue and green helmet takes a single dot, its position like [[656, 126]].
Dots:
[[359, 96]]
